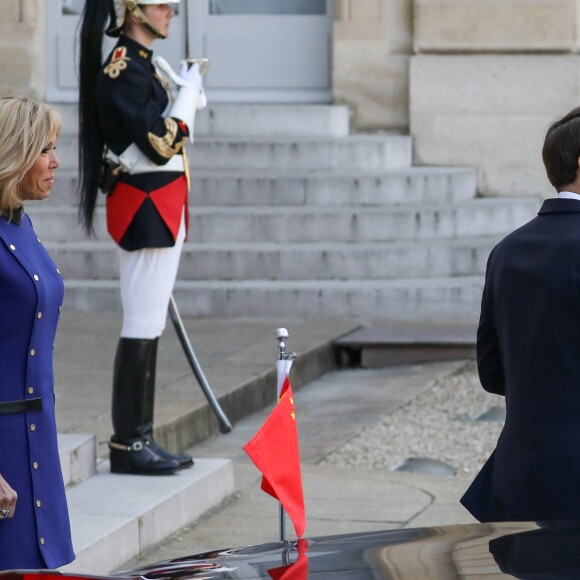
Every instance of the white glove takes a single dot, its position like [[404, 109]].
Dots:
[[197, 91], [188, 78], [193, 79], [190, 96], [191, 75]]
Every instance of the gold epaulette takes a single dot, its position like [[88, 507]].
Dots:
[[118, 63], [166, 145]]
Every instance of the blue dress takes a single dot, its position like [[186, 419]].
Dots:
[[31, 293]]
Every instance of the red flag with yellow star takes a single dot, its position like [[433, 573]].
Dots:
[[274, 451]]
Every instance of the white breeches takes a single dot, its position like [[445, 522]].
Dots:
[[147, 280]]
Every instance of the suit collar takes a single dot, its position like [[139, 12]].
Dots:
[[557, 205], [568, 195]]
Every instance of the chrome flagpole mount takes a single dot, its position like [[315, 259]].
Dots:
[[282, 336]]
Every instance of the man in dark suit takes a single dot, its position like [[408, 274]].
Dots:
[[528, 349]]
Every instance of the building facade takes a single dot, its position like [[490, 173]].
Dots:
[[475, 82]]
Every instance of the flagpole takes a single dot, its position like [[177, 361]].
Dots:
[[283, 366]]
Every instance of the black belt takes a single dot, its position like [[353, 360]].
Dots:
[[10, 407]]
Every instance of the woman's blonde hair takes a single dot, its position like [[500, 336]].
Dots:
[[26, 128]]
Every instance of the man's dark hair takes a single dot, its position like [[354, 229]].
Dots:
[[562, 149]]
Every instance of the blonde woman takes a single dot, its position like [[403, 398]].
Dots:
[[34, 521]]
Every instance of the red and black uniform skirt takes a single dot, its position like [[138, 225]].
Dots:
[[145, 210]]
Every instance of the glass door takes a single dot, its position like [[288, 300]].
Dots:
[[61, 34], [267, 7], [264, 50], [261, 50]]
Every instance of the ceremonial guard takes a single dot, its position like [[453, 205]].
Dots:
[[133, 132]]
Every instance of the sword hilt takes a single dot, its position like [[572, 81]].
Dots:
[[204, 64]]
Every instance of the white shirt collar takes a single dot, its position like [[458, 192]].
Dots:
[[568, 195]]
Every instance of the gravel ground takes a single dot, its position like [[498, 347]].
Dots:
[[438, 424]]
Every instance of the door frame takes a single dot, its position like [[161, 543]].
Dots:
[[196, 11]]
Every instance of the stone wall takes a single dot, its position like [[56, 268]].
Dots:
[[477, 82], [22, 66], [373, 42], [487, 79], [495, 25]]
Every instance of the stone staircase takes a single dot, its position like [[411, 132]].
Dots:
[[292, 216], [114, 518]]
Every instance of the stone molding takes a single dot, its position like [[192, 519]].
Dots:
[[463, 26], [22, 48]]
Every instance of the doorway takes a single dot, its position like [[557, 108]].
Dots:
[[263, 51]]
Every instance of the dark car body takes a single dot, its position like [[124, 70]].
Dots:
[[483, 551]]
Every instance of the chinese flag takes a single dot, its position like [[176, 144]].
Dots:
[[274, 451]]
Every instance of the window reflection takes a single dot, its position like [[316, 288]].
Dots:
[[76, 6], [72, 6], [222, 7]]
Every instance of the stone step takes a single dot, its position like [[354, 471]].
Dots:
[[309, 188], [397, 343], [115, 517], [361, 152], [118, 516], [426, 299], [295, 261], [78, 453], [479, 217], [252, 120]]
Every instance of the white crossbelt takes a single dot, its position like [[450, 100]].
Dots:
[[135, 161]]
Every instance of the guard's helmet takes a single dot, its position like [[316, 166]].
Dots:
[[133, 6]]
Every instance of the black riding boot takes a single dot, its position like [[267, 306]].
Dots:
[[129, 449], [183, 459]]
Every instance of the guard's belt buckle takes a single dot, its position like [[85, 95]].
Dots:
[[21, 406]]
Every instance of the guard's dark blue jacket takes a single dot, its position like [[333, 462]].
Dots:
[[146, 209]]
